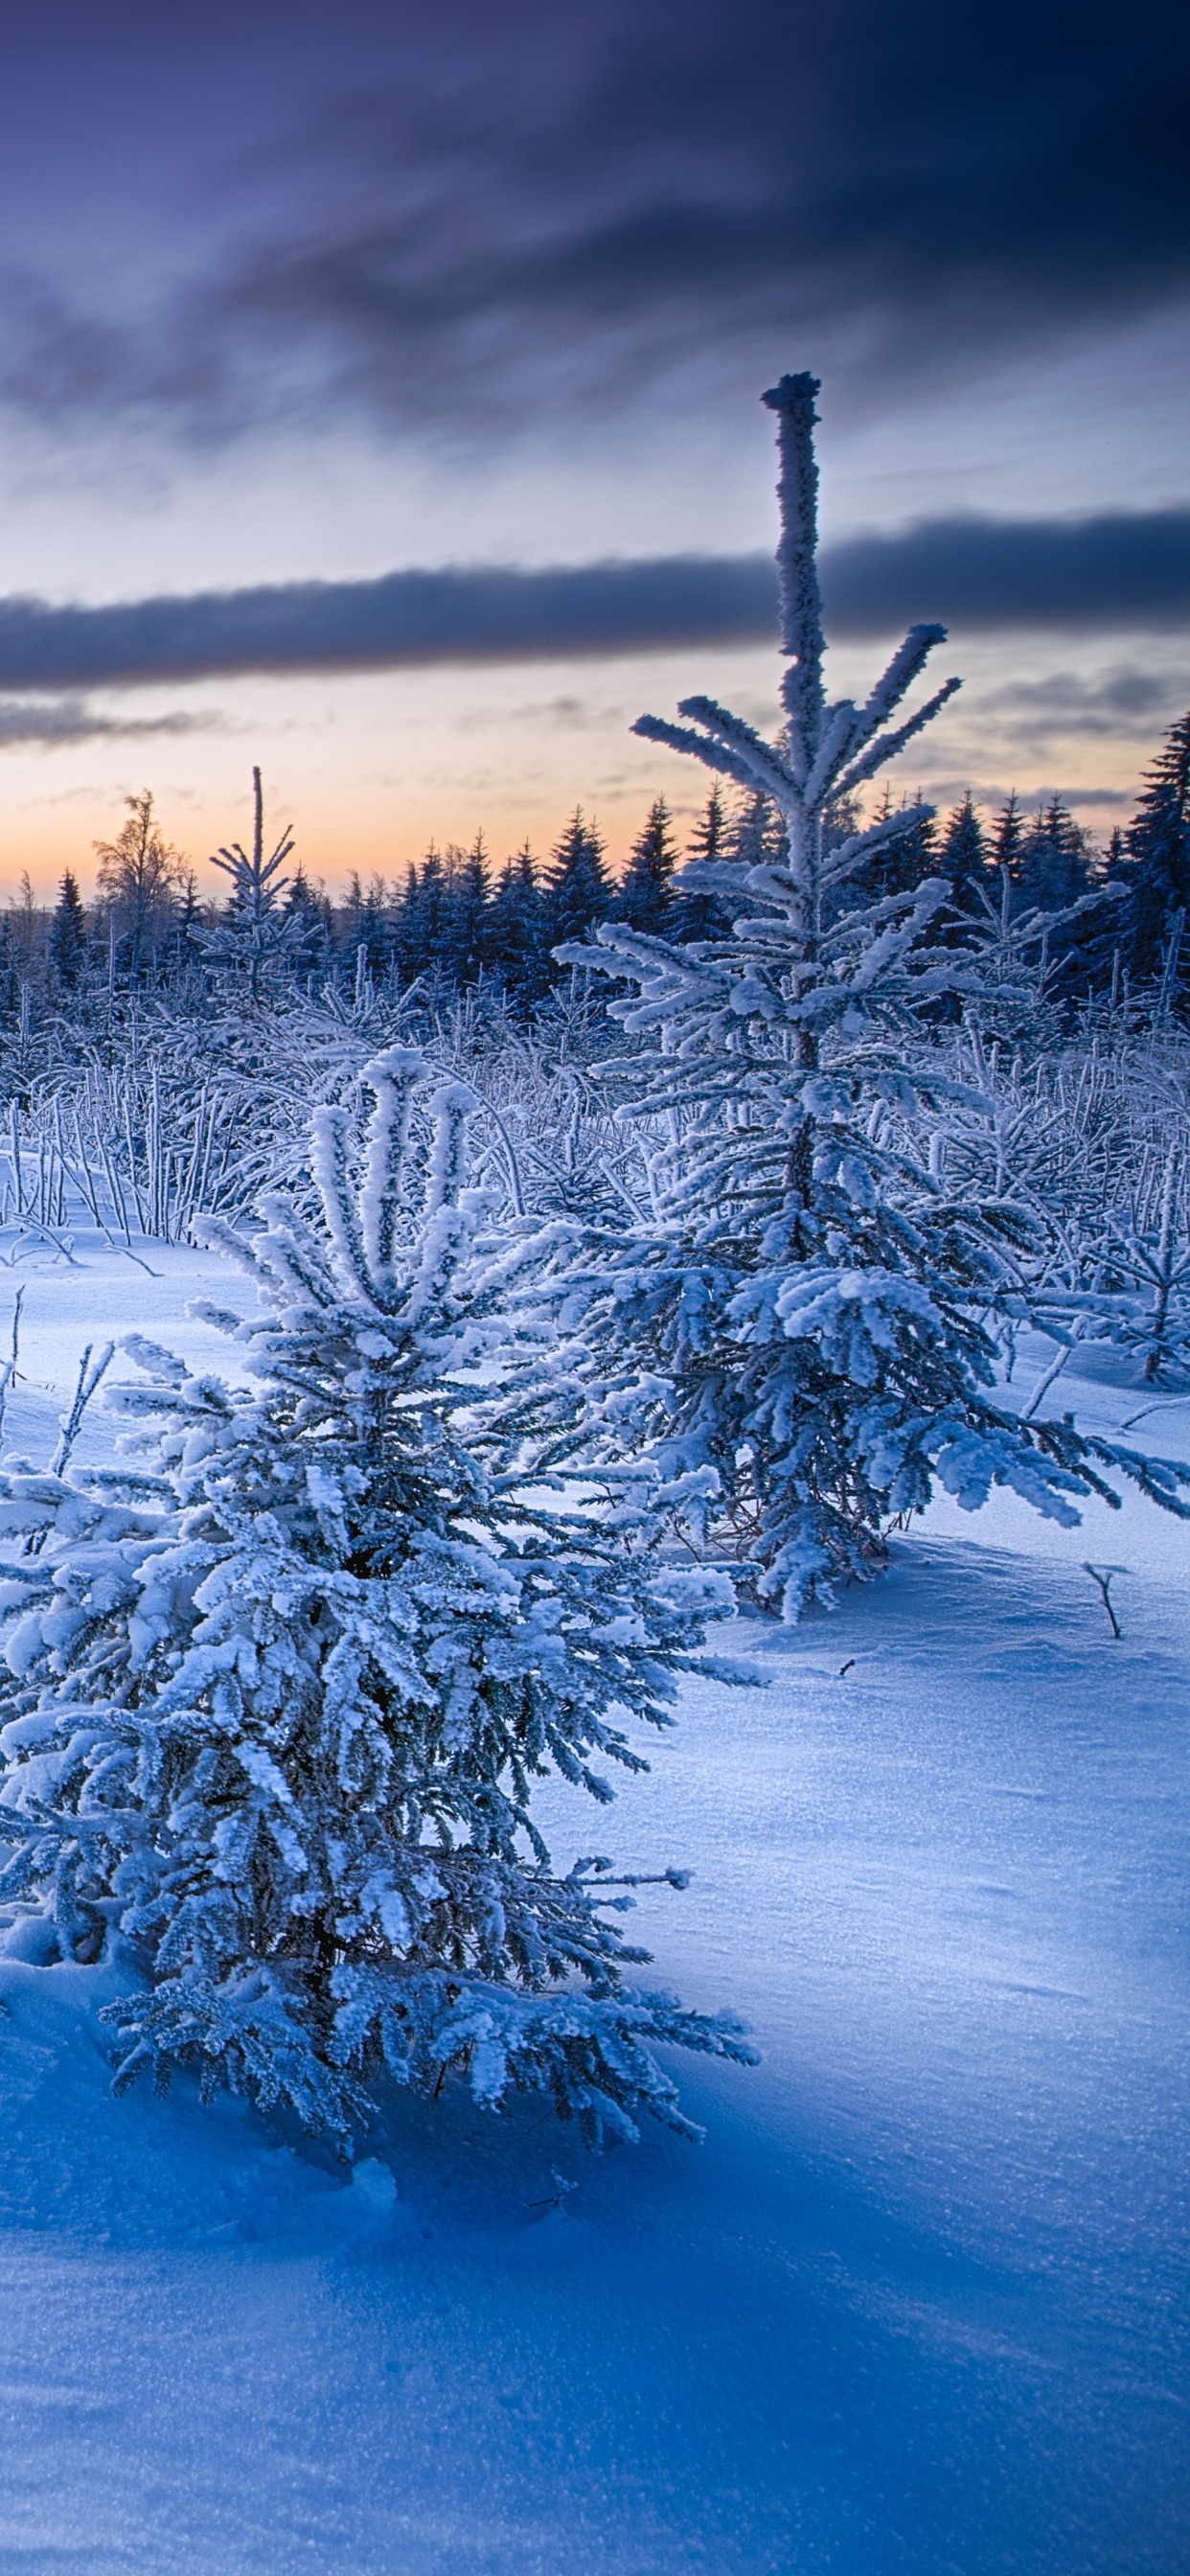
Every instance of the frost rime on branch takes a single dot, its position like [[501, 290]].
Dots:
[[828, 750]]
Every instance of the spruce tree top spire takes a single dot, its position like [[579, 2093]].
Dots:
[[802, 638], [827, 750]]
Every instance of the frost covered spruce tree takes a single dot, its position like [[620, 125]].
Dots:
[[276, 1700], [793, 1326], [258, 930]]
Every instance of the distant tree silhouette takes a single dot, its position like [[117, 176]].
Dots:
[[68, 936], [908, 852], [421, 923], [578, 888], [646, 895], [138, 878], [518, 930], [963, 856], [467, 928], [1156, 871], [1008, 832], [1052, 866], [699, 911]]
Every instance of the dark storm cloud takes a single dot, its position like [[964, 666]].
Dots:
[[404, 619], [976, 574], [462, 220], [1122, 568]]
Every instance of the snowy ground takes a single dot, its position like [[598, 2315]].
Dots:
[[919, 2303]]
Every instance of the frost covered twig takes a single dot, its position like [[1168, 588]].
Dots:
[[89, 1377], [8, 1373]]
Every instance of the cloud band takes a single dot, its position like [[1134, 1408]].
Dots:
[[1116, 571]]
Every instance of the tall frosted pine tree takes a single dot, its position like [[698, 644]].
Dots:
[[274, 1707], [790, 1335]]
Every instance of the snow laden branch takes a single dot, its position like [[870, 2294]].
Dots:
[[275, 1703]]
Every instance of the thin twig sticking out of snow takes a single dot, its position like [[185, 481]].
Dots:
[[1146, 1409], [1104, 1582], [32, 1231], [1054, 1370], [8, 1374]]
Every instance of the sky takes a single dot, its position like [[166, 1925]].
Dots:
[[379, 401]]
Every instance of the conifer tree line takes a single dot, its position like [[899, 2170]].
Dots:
[[458, 922]]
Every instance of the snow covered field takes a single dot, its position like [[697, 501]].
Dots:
[[919, 2302]]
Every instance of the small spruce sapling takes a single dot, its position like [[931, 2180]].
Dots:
[[258, 930], [275, 1704]]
